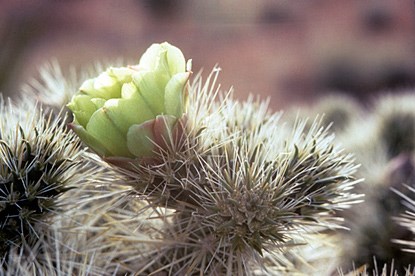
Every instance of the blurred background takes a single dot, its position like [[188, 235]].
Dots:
[[290, 51]]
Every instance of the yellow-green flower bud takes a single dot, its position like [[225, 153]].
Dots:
[[129, 111]]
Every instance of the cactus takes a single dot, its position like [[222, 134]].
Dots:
[[242, 186], [386, 155], [39, 162]]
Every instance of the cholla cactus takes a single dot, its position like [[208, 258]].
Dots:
[[386, 155], [54, 87], [372, 236], [407, 219], [242, 186], [378, 270], [77, 241], [339, 111], [39, 161], [61, 198], [396, 123]]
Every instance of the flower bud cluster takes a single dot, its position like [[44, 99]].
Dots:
[[127, 112]]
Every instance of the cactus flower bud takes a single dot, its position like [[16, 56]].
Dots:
[[127, 112]]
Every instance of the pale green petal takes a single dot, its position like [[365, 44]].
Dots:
[[104, 86], [104, 80], [129, 91], [82, 107], [144, 138], [151, 91], [98, 102], [174, 96], [103, 129], [164, 58], [121, 74], [87, 87], [150, 58], [140, 140], [162, 69], [107, 86], [124, 113], [90, 141], [175, 59]]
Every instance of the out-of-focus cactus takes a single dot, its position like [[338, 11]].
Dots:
[[386, 153], [338, 111], [396, 124], [407, 219]]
